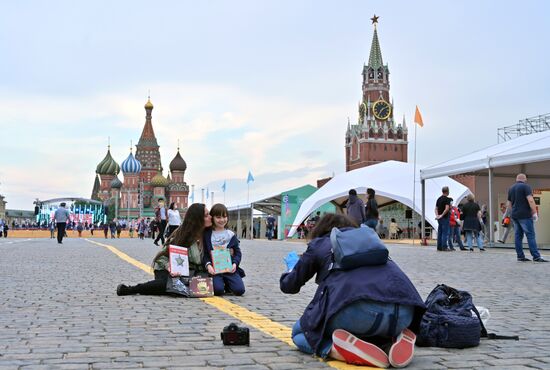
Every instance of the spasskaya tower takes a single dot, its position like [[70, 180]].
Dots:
[[376, 137]]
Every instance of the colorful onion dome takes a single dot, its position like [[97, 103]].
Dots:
[[159, 181], [116, 183], [131, 165], [178, 164], [148, 105], [108, 166]]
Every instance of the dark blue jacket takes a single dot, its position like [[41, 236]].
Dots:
[[233, 244], [383, 283]]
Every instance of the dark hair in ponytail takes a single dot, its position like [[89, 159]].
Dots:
[[328, 221]]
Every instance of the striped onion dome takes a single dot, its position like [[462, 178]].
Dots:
[[116, 183], [159, 181], [108, 166], [131, 165]]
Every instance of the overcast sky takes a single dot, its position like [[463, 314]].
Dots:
[[265, 86]]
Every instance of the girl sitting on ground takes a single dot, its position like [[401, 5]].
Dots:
[[353, 311], [189, 235], [220, 236]]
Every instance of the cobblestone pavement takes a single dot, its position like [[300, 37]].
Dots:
[[59, 309]]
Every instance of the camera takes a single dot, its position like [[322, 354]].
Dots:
[[234, 335]]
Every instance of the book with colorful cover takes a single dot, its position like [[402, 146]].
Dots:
[[179, 260], [221, 260], [201, 287]]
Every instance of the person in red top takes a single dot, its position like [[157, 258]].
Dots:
[[454, 222]]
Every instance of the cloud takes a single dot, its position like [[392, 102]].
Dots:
[[223, 132]]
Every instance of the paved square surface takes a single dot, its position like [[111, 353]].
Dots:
[[59, 309]]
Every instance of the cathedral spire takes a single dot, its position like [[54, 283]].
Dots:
[[375, 58], [148, 134]]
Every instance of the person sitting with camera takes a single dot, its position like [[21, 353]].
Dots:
[[356, 310]]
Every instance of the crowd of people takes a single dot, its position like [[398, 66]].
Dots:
[[4, 227], [470, 219], [366, 315], [338, 314]]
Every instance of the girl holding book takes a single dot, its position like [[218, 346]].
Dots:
[[189, 235], [219, 237]]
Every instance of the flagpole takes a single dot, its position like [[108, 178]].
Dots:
[[414, 181]]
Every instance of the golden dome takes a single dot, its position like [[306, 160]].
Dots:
[[159, 181], [148, 105]]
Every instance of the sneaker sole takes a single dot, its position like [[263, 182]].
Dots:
[[402, 351], [358, 352]]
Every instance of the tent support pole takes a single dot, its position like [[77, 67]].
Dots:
[[251, 223], [423, 219], [489, 228]]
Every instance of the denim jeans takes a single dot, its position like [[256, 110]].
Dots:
[[455, 232], [479, 239], [364, 318], [525, 226], [443, 233]]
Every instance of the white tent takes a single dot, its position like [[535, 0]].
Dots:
[[390, 179], [529, 154], [522, 150]]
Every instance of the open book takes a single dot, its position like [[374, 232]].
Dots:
[[179, 260]]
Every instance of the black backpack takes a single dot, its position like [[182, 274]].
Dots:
[[448, 321]]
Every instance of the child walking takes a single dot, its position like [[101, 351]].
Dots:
[[219, 235]]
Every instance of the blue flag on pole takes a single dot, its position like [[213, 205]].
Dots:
[[207, 192], [224, 186], [250, 178]]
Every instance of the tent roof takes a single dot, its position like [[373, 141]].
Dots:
[[390, 179], [522, 150]]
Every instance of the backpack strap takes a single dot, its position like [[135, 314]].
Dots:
[[484, 333]]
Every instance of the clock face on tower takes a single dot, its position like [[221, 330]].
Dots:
[[381, 109]]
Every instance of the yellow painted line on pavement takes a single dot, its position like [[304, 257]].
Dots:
[[260, 322], [125, 257]]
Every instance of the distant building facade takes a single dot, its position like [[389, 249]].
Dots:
[[19, 218], [2, 207]]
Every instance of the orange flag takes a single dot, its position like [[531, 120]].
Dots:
[[418, 118]]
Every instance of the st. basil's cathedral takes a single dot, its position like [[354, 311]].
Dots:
[[143, 183]]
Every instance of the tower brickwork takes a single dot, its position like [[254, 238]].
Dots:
[[148, 154]]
